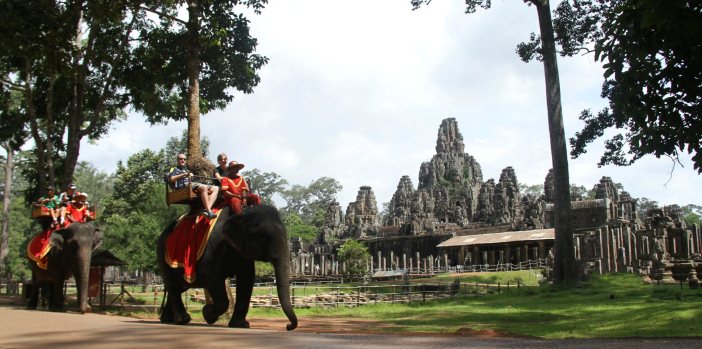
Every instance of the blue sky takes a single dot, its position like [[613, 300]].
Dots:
[[356, 91]]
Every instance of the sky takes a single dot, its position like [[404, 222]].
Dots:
[[356, 91]]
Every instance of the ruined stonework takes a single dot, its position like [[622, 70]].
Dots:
[[605, 189], [399, 210], [362, 215], [453, 178], [533, 209], [507, 199], [422, 217], [333, 224], [486, 205]]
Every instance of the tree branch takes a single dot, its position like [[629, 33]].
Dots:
[[13, 85], [164, 15]]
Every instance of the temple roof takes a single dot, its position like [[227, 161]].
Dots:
[[500, 238]]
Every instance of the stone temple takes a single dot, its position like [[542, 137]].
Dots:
[[455, 217]]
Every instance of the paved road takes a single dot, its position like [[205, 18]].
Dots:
[[21, 328]]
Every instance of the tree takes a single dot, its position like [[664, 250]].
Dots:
[[536, 190], [645, 204], [217, 51], [310, 202], [652, 75], [297, 229], [97, 184], [135, 213], [355, 255], [693, 214], [265, 184], [564, 262]]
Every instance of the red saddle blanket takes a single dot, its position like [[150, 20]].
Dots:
[[39, 247], [187, 241]]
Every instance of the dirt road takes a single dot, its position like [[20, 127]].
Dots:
[[20, 328]]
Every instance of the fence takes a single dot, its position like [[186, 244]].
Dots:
[[335, 296]]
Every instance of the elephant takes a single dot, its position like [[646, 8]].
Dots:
[[235, 243], [70, 255]]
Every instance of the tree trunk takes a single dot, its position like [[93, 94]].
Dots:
[[6, 196], [194, 79], [75, 119], [564, 254]]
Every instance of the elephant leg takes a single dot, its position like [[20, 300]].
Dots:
[[220, 302], [56, 299], [178, 312], [33, 296], [244, 288]]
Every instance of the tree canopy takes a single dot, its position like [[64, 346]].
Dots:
[[652, 59]]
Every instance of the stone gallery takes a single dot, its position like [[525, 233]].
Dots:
[[455, 218]]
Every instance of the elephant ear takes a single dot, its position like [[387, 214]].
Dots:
[[58, 238], [97, 238], [235, 228]]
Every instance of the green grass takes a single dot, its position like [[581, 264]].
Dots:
[[614, 305]]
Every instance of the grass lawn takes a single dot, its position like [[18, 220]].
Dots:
[[613, 305]]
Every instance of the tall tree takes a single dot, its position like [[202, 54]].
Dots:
[[564, 262], [68, 60], [652, 57], [217, 52]]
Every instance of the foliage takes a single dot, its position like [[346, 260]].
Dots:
[[355, 255], [264, 269], [536, 190], [135, 213], [579, 191], [67, 61], [645, 204], [265, 184], [693, 214], [652, 73], [22, 228], [297, 229], [225, 49], [176, 145], [310, 203], [97, 184]]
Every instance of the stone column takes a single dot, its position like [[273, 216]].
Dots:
[[392, 265], [323, 265], [446, 261], [542, 249], [380, 261], [404, 261], [419, 264]]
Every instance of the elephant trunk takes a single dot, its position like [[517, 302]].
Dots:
[[282, 278], [82, 276]]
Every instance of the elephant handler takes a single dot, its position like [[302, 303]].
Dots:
[[235, 189], [77, 210], [179, 176]]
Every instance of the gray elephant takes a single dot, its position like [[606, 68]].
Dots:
[[234, 244], [70, 254]]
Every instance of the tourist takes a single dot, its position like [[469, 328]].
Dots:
[[219, 172], [180, 177], [51, 202]]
